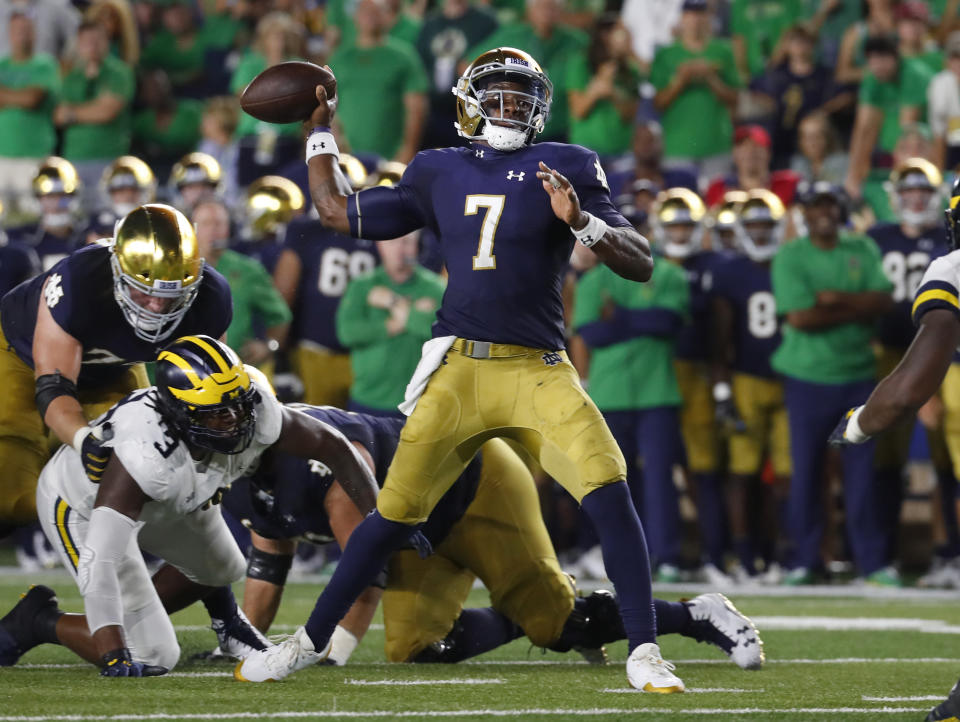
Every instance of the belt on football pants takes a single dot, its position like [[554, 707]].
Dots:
[[487, 349]]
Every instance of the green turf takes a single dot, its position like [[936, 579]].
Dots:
[[77, 691]]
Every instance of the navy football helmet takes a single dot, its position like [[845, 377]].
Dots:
[[206, 394]]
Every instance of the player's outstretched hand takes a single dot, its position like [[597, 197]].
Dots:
[[563, 198], [326, 107]]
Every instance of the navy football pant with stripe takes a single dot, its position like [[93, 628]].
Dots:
[[653, 437], [813, 411]]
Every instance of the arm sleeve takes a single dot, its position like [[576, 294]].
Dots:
[[358, 324], [381, 213], [108, 536], [939, 288], [791, 291]]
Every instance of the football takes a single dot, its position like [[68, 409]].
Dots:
[[286, 92]]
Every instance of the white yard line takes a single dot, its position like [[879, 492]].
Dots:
[[691, 690], [916, 698], [855, 624], [298, 714], [418, 682]]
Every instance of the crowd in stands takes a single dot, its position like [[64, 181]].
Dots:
[[788, 159]]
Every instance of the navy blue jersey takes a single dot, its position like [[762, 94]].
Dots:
[[80, 298], [266, 252], [49, 248], [904, 261], [18, 263], [756, 331], [294, 508], [693, 341], [328, 262], [504, 249]]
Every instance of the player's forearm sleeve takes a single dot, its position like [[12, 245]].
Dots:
[[103, 550], [382, 213]]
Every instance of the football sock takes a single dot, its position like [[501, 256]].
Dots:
[[220, 603], [366, 554], [711, 511], [672, 617], [625, 558], [480, 631]]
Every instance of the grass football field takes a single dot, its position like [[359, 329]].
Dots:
[[832, 654]]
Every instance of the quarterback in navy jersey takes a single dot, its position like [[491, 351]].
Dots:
[[313, 270], [747, 392], [507, 213], [495, 533], [73, 338]]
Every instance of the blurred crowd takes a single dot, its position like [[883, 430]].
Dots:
[[730, 132]]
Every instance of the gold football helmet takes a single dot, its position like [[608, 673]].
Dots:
[[55, 175], [724, 217], [507, 118], [131, 176], [919, 209], [677, 222], [760, 225], [271, 202], [157, 269], [389, 173], [354, 171], [196, 168]]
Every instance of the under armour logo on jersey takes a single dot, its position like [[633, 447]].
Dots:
[[52, 292], [519, 176], [552, 358], [478, 152]]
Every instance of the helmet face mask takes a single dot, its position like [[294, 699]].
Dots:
[[914, 191], [503, 98], [154, 255], [206, 394], [55, 188], [760, 225], [128, 182]]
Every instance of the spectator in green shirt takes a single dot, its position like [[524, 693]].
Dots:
[[830, 288], [256, 303], [401, 23], [893, 94], [630, 329], [603, 90], [384, 318], [94, 111], [28, 86], [696, 79], [166, 128], [756, 26], [377, 76], [553, 45]]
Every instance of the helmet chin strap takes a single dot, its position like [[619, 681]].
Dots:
[[502, 138]]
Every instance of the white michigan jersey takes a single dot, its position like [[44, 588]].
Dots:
[[159, 462], [940, 287]]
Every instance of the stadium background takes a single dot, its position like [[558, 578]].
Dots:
[[711, 96]]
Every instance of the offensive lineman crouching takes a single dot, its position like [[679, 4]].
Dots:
[[488, 526], [175, 448]]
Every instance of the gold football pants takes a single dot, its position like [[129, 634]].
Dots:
[[532, 396], [502, 540], [25, 441], [701, 437], [326, 376], [760, 404]]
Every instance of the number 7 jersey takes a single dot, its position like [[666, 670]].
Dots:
[[504, 248]]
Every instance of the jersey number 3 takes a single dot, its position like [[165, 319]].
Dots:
[[485, 260]]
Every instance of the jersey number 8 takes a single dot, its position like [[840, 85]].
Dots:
[[762, 315]]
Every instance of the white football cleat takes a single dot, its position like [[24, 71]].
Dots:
[[649, 672], [272, 664], [237, 637], [717, 621]]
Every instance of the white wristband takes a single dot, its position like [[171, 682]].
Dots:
[[595, 229], [343, 642], [854, 434], [78, 438], [322, 143]]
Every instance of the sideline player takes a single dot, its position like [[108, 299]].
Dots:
[[175, 448], [488, 525], [507, 217], [72, 338], [936, 312]]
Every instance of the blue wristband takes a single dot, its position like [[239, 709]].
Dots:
[[320, 129]]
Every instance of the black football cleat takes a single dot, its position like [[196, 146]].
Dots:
[[18, 627], [949, 709]]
